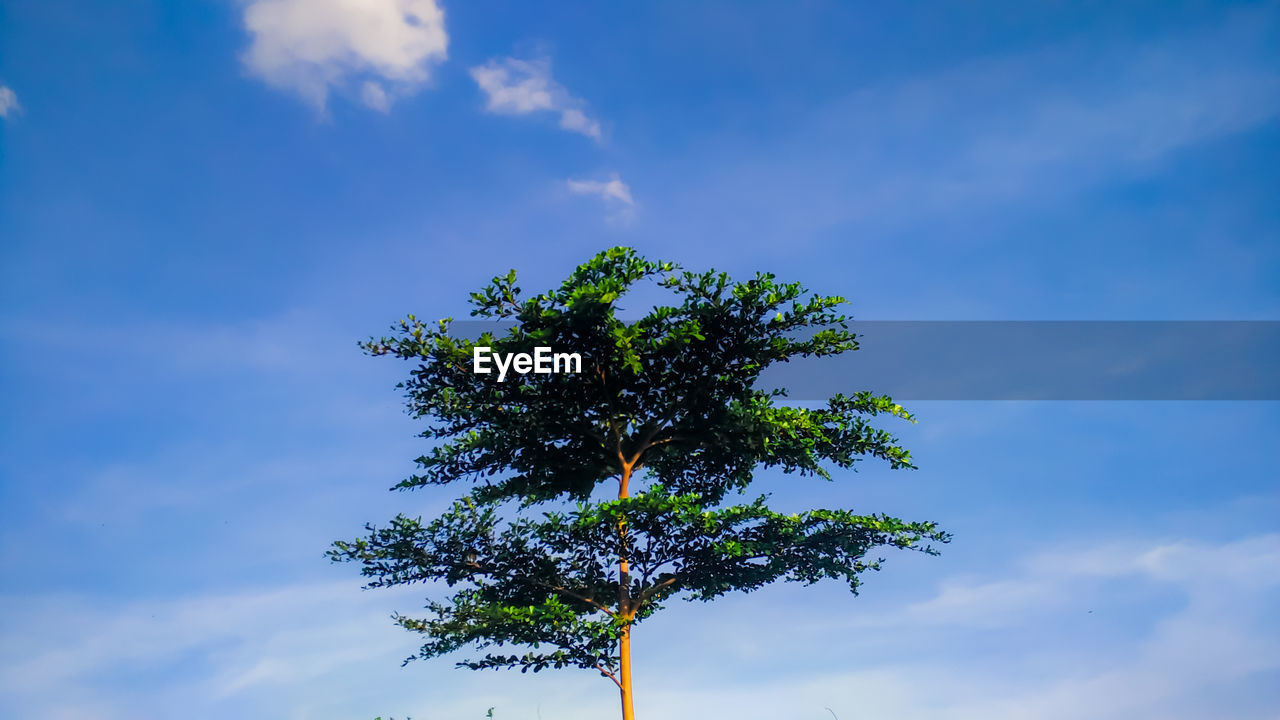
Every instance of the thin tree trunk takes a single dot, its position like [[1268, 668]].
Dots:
[[628, 710], [624, 606]]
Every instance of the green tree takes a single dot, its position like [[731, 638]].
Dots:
[[594, 498]]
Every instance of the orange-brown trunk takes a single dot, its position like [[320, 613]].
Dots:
[[624, 606], [624, 676]]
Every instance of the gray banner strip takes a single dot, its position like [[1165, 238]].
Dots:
[[1037, 360], [1043, 360]]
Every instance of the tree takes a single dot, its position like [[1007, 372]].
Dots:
[[542, 553]]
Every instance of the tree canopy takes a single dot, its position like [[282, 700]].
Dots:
[[594, 498]]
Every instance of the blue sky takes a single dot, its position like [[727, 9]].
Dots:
[[204, 205]]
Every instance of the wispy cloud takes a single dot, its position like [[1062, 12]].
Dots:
[[1050, 582], [611, 190], [521, 87], [322, 645], [286, 638], [313, 47], [1052, 639], [375, 96], [615, 194], [997, 133], [8, 101]]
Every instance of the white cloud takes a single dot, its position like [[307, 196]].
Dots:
[[375, 96], [8, 101], [320, 650], [293, 639], [520, 87], [577, 121], [1174, 630], [615, 194], [312, 47], [611, 190], [1054, 581]]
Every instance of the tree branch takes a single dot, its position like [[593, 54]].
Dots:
[[609, 675], [490, 571], [577, 596], [649, 592]]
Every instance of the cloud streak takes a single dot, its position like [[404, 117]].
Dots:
[[612, 190], [311, 645], [999, 133], [232, 644]]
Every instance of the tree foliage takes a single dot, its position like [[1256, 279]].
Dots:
[[594, 498]]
